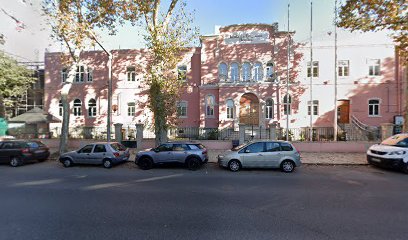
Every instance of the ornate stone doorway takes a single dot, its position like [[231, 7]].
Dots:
[[249, 109]]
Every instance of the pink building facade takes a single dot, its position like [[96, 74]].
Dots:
[[238, 76]]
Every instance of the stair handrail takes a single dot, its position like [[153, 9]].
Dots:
[[361, 125]]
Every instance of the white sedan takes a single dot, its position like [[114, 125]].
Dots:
[[391, 153]]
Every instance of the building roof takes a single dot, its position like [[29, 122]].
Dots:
[[35, 115]]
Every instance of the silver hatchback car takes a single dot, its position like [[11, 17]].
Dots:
[[261, 154], [103, 153], [193, 155]]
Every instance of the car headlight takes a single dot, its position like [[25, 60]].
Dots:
[[397, 153]]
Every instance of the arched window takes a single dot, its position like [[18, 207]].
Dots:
[[373, 107], [269, 71], [223, 71], [287, 101], [269, 113], [60, 107], [77, 107], [246, 72], [234, 72], [209, 105], [92, 108], [258, 72], [230, 109]]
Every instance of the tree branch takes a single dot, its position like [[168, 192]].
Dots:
[[155, 11], [169, 13]]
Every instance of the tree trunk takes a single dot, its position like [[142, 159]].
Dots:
[[65, 109], [65, 124], [2, 107], [405, 95]]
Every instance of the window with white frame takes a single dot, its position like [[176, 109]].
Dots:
[[374, 107], [269, 71], [223, 71], [269, 113], [234, 72], [209, 105], [89, 76], [92, 108], [131, 74], [287, 102], [182, 109], [258, 71], [80, 74], [373, 67], [131, 109], [315, 69], [61, 109], [246, 72], [64, 74], [230, 109], [182, 73], [313, 105], [77, 107], [343, 68]]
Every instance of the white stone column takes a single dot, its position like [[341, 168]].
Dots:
[[139, 135], [118, 132], [241, 133]]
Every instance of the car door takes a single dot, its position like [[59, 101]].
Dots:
[[5, 151], [84, 154], [98, 154], [180, 152], [9, 149], [164, 153], [252, 155], [272, 154]]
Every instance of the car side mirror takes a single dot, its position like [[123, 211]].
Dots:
[[155, 150]]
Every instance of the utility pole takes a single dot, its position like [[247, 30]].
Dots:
[[311, 73], [335, 72], [288, 101]]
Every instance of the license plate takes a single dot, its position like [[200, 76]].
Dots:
[[375, 160], [40, 151]]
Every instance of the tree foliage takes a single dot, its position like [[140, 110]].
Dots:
[[169, 32], [15, 80], [375, 15], [75, 23]]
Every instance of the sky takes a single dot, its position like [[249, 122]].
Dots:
[[29, 44]]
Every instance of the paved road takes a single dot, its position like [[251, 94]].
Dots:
[[46, 201]]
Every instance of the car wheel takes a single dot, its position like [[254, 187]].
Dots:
[[193, 164], [234, 165], [145, 163], [15, 161], [42, 159], [405, 168], [287, 166], [107, 163], [67, 163]]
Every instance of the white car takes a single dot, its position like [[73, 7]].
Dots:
[[391, 153]]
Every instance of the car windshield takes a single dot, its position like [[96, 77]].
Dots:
[[396, 140], [239, 147]]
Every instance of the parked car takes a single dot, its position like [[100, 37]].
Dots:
[[390, 153], [193, 155], [261, 154], [103, 153], [18, 152]]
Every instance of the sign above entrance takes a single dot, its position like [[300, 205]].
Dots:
[[246, 37]]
